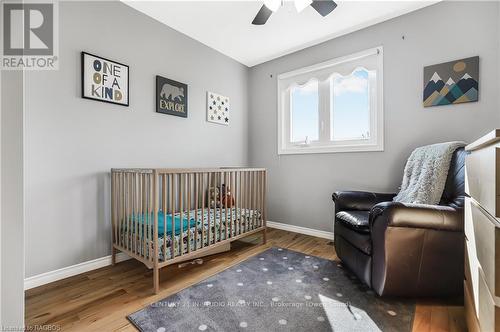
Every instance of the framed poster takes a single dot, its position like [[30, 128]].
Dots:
[[171, 97], [453, 82], [104, 80], [218, 108]]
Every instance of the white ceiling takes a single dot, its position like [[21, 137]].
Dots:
[[226, 25]]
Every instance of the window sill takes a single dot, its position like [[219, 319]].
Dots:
[[331, 149]]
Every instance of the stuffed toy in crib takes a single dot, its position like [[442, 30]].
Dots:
[[215, 198], [227, 198]]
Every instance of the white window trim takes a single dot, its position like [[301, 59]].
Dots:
[[377, 126]]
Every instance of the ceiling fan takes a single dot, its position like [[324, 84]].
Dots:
[[323, 7]]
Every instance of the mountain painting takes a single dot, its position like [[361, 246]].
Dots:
[[453, 82]]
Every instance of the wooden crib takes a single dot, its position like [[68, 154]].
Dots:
[[166, 216]]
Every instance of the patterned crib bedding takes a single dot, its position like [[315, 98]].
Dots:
[[239, 221]]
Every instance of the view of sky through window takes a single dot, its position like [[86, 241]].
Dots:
[[304, 112], [351, 106]]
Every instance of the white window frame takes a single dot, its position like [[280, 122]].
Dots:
[[324, 145]]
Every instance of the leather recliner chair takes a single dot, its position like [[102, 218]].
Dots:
[[404, 249]]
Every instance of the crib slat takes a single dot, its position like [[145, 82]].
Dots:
[[140, 213], [264, 209], [255, 199], [188, 191], [118, 209], [251, 189], [256, 202], [113, 206], [256, 205], [124, 214], [242, 208], [129, 212], [240, 201], [143, 214], [251, 206], [164, 210], [137, 213], [196, 202], [247, 201], [235, 194], [134, 213], [154, 222], [214, 210], [231, 221], [252, 198], [148, 212], [155, 202], [181, 214], [225, 204], [257, 184], [220, 206], [172, 214], [245, 225], [203, 210], [125, 211], [209, 208], [261, 196], [144, 218]]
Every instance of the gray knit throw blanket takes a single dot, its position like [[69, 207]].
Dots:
[[425, 173]]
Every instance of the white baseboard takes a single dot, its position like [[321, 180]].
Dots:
[[70, 271], [301, 230]]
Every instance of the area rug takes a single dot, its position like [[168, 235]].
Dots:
[[277, 290]]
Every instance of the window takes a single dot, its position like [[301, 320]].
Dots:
[[334, 106]]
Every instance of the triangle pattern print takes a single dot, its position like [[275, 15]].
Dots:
[[218, 108]]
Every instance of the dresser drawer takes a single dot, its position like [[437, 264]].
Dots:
[[471, 275], [482, 169], [485, 239], [470, 309], [489, 312]]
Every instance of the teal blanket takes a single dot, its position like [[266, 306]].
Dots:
[[148, 220]]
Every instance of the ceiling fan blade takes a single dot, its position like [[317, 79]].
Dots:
[[262, 16], [324, 7]]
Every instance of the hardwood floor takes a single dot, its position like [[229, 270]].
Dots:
[[100, 300]]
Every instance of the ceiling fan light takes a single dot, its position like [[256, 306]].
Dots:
[[273, 5], [300, 5]]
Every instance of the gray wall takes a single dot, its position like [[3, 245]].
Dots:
[[12, 200], [72, 143], [300, 186]]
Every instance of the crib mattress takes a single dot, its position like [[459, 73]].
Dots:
[[239, 221]]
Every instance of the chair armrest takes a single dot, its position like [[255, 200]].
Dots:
[[417, 250], [358, 200], [438, 217]]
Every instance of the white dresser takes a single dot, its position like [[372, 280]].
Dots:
[[482, 233]]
